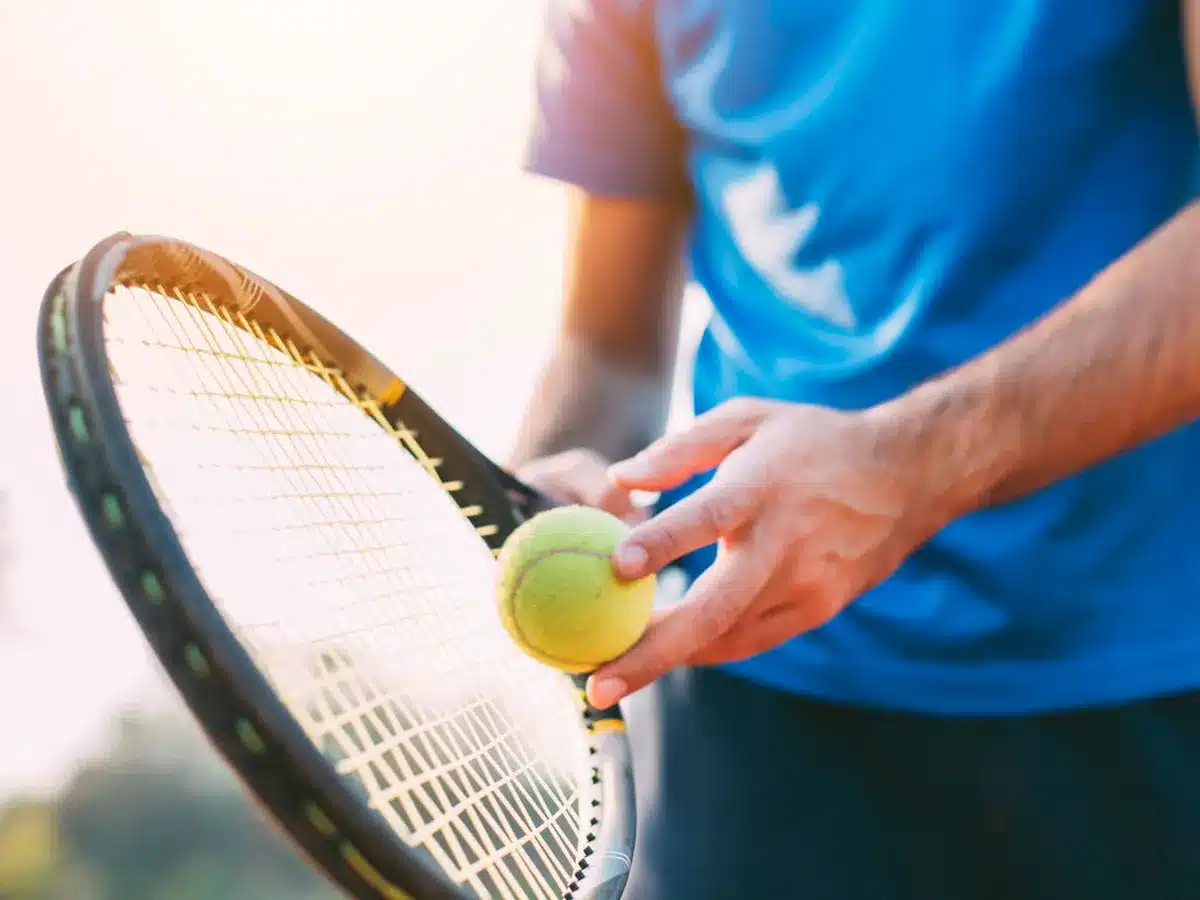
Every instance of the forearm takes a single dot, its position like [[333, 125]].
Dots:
[[584, 399], [1115, 366], [606, 387]]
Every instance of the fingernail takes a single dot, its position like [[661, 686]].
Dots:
[[629, 560], [605, 692]]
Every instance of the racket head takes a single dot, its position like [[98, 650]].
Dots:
[[339, 816]]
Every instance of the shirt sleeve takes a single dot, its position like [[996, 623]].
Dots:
[[602, 119]]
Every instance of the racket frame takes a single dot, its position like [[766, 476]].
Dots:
[[228, 695]]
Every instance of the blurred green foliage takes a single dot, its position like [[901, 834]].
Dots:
[[158, 818]]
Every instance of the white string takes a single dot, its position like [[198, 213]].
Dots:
[[361, 590]]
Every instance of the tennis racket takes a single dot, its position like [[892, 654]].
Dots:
[[309, 550]]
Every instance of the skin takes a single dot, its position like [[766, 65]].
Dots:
[[622, 302], [810, 506]]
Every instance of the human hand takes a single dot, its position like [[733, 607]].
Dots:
[[809, 507], [581, 476]]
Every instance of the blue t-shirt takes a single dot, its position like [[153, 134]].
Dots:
[[884, 189]]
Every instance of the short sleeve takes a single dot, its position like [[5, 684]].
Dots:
[[602, 120]]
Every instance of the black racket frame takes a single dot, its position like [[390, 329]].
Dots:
[[227, 694]]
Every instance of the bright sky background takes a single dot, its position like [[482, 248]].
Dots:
[[364, 154]]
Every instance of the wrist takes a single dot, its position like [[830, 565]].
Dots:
[[951, 436], [585, 400]]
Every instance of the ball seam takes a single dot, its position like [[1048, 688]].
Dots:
[[519, 578]]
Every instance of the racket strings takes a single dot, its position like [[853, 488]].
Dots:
[[462, 785], [384, 650], [366, 761]]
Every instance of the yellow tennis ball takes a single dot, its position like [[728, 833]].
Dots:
[[559, 598]]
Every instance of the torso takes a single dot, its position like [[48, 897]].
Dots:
[[886, 188]]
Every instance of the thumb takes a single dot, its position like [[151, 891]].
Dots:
[[703, 445]]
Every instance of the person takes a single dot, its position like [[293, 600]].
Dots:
[[936, 508]]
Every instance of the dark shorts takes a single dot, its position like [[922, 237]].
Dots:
[[746, 793]]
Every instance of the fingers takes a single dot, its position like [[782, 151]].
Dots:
[[798, 598], [580, 476], [759, 633], [673, 459], [703, 518], [714, 605]]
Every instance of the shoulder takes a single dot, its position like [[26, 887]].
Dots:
[[604, 120]]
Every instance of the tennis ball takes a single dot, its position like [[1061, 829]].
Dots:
[[559, 598]]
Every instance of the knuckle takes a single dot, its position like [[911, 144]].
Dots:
[[613, 500], [661, 538], [580, 459], [743, 408], [739, 406], [712, 621], [726, 511], [532, 470]]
